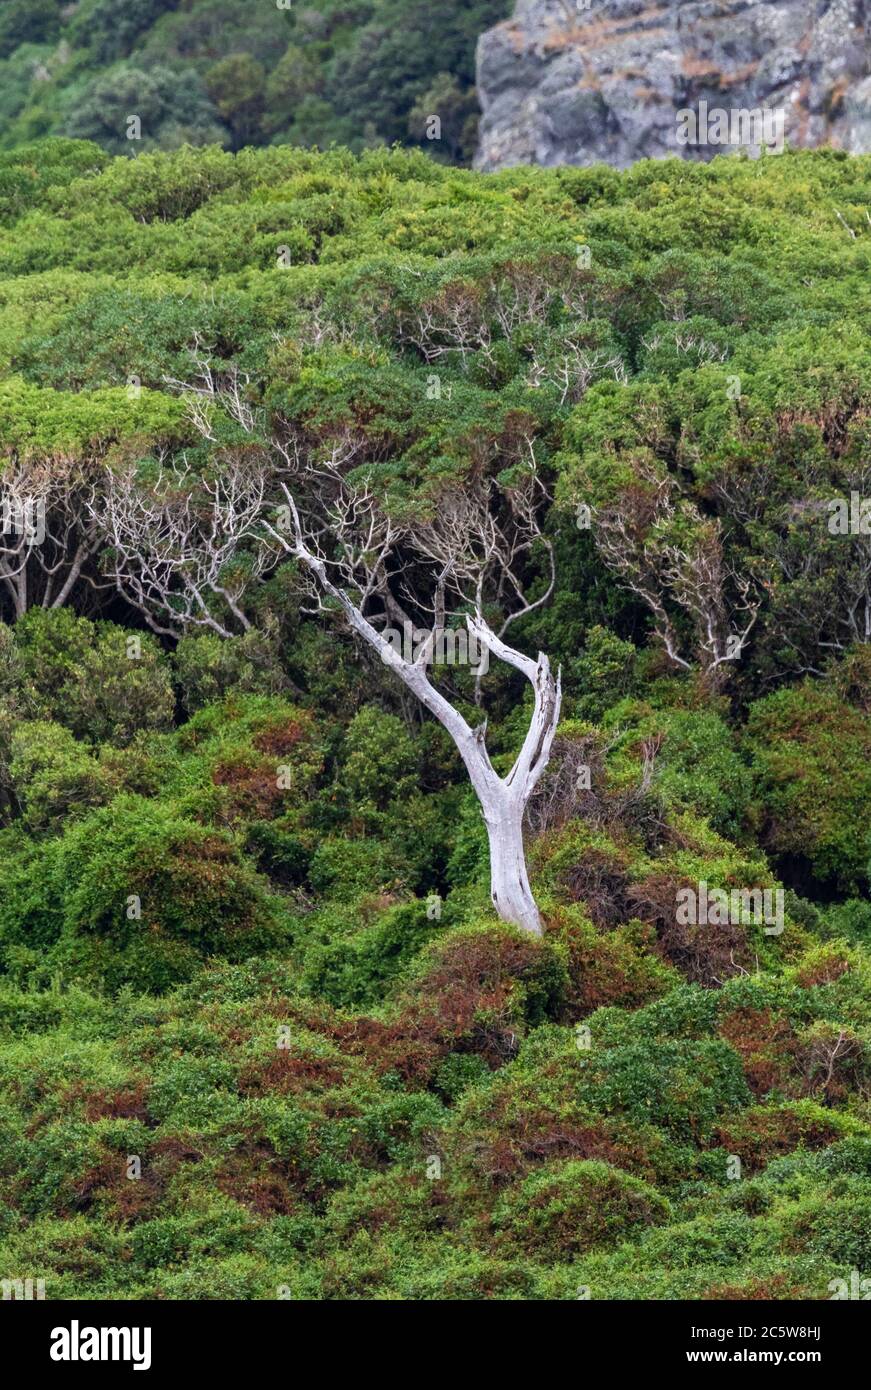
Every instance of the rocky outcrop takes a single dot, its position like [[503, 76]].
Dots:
[[589, 81]]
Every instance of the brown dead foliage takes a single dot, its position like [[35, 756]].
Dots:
[[515, 1141], [254, 788], [252, 1177], [128, 1103], [168, 1154], [705, 953], [602, 886], [774, 1287], [607, 969], [465, 1002], [767, 1046], [290, 1073], [277, 742], [389, 1047], [759, 1135], [122, 1200], [824, 971]]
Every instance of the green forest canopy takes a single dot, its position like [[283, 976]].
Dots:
[[243, 72]]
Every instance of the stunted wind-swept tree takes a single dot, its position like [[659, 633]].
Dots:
[[187, 549], [672, 558]]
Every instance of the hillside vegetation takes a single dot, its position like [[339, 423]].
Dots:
[[261, 1033], [243, 72]]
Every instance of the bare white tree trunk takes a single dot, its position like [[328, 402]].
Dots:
[[503, 800], [509, 882], [504, 804]]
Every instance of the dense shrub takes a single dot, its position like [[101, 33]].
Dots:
[[53, 776], [207, 668], [140, 895], [245, 925], [102, 683], [813, 769], [565, 1209]]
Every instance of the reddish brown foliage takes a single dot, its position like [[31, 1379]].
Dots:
[[766, 1045], [391, 1047], [605, 969], [759, 1135], [705, 953], [254, 788], [252, 1177], [169, 1153], [602, 886], [121, 1198], [124, 1199], [128, 1103], [513, 1142], [776, 1286], [824, 971], [277, 742], [465, 1002], [289, 1073]]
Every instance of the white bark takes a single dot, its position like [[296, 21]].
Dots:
[[503, 804], [503, 800], [173, 542], [510, 892], [47, 532]]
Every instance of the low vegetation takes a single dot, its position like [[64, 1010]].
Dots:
[[262, 1034]]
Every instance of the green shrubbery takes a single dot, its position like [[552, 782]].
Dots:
[[245, 930], [134, 893], [812, 755], [213, 71], [565, 1209]]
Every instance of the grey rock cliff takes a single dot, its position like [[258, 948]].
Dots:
[[561, 83]]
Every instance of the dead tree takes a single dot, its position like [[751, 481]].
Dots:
[[462, 560], [465, 559], [173, 543]]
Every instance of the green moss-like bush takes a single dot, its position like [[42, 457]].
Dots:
[[566, 1209], [139, 895]]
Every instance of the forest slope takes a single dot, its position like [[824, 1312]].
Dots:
[[356, 72], [261, 1034]]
